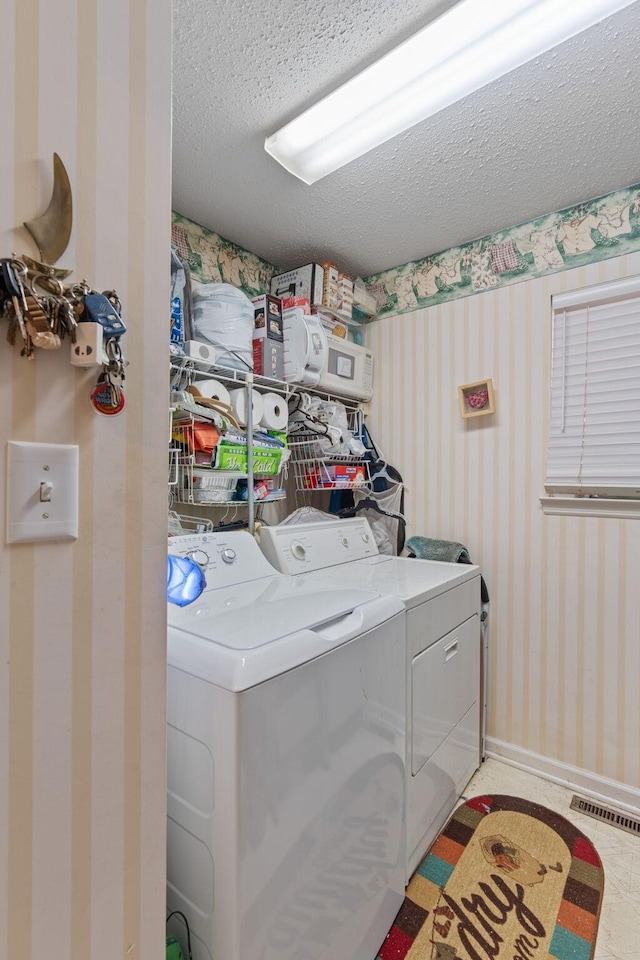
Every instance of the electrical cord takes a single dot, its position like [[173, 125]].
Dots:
[[179, 913]]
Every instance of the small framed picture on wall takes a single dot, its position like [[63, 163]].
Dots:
[[476, 399]]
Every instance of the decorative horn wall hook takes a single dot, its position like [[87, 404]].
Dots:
[[52, 230]]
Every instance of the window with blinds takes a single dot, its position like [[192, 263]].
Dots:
[[594, 435]]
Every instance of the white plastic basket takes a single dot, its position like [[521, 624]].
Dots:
[[314, 469]]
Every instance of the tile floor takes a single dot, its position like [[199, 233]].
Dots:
[[619, 929]]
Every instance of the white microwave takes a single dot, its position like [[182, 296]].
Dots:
[[348, 370]]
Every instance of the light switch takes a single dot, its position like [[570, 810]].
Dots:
[[42, 491]]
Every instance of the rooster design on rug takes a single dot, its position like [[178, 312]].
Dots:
[[511, 859]]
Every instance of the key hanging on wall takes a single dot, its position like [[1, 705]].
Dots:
[[41, 311]]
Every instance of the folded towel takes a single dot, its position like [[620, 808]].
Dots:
[[424, 548]]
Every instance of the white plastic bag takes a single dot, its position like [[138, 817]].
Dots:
[[384, 528], [327, 420], [223, 317]]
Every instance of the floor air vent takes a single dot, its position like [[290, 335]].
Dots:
[[621, 820]]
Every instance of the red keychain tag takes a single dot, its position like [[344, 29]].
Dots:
[[104, 400]]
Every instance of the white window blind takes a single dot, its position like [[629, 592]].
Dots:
[[594, 437]]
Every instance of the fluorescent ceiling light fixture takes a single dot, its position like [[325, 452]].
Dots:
[[471, 45]]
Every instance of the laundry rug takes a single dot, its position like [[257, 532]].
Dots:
[[505, 880]]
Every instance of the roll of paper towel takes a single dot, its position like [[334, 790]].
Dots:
[[214, 390], [275, 412], [239, 406]]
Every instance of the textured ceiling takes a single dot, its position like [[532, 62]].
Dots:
[[562, 129]]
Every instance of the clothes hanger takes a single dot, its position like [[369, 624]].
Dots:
[[233, 525], [219, 406], [377, 461], [368, 503], [382, 472], [310, 424]]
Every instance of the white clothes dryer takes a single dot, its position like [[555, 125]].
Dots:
[[286, 732], [443, 647]]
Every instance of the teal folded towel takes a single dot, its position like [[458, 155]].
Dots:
[[424, 548]]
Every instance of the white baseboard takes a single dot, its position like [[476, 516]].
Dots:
[[584, 782]]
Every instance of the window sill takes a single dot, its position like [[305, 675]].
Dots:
[[566, 506]]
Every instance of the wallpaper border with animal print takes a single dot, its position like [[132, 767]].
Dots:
[[604, 227], [212, 259]]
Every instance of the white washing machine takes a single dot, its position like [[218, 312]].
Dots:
[[443, 641], [286, 734]]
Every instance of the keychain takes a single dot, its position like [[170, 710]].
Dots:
[[102, 308], [106, 399], [42, 311], [37, 306]]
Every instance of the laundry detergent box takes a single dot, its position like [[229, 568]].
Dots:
[[268, 358], [306, 281], [267, 317]]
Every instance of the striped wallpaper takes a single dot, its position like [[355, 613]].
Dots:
[[82, 625], [565, 605], [82, 654]]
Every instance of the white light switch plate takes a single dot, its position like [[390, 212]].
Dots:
[[48, 471]]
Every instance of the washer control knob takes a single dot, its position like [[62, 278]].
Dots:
[[298, 550], [228, 555], [199, 557], [366, 537], [344, 541]]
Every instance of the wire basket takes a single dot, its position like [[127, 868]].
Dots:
[[211, 486], [179, 524], [174, 459], [317, 465]]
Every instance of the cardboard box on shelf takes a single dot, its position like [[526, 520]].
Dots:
[[305, 281], [342, 475], [331, 321], [267, 317], [268, 358], [288, 302], [364, 303], [345, 296], [330, 286]]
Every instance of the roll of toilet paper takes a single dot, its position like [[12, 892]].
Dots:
[[214, 390], [275, 413], [239, 406]]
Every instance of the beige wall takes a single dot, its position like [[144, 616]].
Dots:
[[82, 649], [565, 603]]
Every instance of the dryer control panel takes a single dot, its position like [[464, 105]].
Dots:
[[305, 547]]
